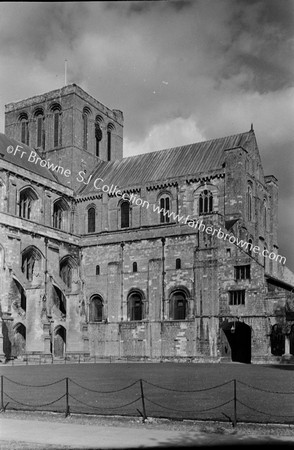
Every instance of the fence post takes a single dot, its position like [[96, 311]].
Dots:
[[235, 404], [2, 394], [66, 398], [143, 400]]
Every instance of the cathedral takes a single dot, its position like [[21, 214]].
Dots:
[[166, 256]]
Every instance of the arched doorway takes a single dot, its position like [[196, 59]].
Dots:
[[59, 341], [19, 341], [238, 335]]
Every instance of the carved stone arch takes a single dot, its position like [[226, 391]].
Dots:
[[179, 288], [110, 127], [55, 106], [163, 192], [38, 111]]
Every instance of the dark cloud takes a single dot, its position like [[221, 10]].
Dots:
[[180, 71]]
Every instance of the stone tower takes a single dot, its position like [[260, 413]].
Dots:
[[68, 127]]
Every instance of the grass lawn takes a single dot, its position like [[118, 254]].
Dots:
[[254, 402]]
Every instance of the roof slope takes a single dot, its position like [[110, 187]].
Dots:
[[23, 161], [166, 164]]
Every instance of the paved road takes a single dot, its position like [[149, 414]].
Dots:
[[16, 434]]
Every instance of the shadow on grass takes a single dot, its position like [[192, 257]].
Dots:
[[282, 366]]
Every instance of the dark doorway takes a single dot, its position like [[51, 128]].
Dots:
[[291, 337], [238, 335], [19, 341], [59, 342]]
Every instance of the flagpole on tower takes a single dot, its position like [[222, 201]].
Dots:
[[65, 72]]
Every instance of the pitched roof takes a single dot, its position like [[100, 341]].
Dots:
[[22, 160], [162, 165]]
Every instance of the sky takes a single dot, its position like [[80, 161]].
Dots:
[[181, 72]]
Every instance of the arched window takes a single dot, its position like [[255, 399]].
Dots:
[[96, 309], [60, 211], [165, 205], [66, 270], [110, 128], [178, 263], [56, 109], [24, 127], [135, 306], [98, 270], [31, 262], [135, 267], [264, 215], [98, 134], [125, 214], [178, 306], [205, 202], [40, 135], [249, 202], [27, 198], [277, 340], [91, 220], [86, 114]]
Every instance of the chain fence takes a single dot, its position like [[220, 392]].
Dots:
[[234, 401]]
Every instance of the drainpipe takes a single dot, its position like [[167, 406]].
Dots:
[[163, 279], [122, 281]]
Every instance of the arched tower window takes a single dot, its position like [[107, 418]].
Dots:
[[86, 115], [96, 309], [178, 263], [56, 109], [135, 267], [91, 220], [40, 135], [205, 202], [110, 128], [24, 129], [178, 305], [125, 214], [135, 306], [98, 135], [27, 198], [97, 269]]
